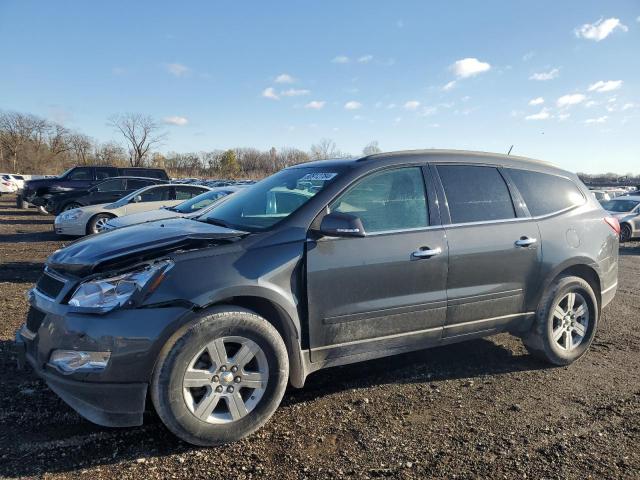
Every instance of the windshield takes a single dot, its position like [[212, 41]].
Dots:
[[200, 201], [620, 205], [265, 203]]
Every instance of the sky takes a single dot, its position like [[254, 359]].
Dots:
[[558, 80]]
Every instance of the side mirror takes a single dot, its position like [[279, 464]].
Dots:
[[136, 199], [338, 224]]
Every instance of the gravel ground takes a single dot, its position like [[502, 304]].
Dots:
[[480, 409]]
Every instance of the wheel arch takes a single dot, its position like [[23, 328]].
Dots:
[[578, 268], [92, 217]]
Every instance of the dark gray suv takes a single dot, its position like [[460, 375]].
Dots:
[[321, 264]]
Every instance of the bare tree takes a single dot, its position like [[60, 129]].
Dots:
[[371, 148], [324, 149], [81, 145], [57, 139], [141, 132], [18, 129], [109, 153]]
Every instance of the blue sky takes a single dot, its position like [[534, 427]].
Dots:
[[559, 80]]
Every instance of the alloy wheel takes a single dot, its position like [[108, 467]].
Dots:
[[570, 321], [225, 380], [101, 224]]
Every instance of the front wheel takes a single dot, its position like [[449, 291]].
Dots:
[[222, 378], [566, 322], [98, 223]]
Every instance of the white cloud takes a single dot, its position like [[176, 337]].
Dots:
[[270, 93], [177, 69], [542, 76], [315, 104], [341, 59], [570, 99], [541, 115], [285, 78], [468, 67], [365, 59], [176, 120], [563, 116], [536, 101], [352, 105], [411, 105], [295, 92], [608, 86], [628, 106], [599, 30], [591, 103], [426, 111], [596, 120], [449, 86]]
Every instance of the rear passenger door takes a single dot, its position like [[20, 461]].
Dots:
[[152, 199], [107, 191], [384, 291], [494, 249]]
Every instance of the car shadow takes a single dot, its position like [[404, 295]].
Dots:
[[30, 237], [20, 272], [60, 430], [33, 221]]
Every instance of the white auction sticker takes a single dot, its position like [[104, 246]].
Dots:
[[323, 176]]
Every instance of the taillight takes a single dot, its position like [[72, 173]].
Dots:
[[613, 223]]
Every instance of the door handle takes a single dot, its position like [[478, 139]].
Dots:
[[426, 252], [525, 241]]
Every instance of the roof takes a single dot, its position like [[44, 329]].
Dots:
[[442, 156]]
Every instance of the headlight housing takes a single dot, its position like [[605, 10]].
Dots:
[[70, 215], [102, 295]]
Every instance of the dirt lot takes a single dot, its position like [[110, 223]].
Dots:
[[480, 409]]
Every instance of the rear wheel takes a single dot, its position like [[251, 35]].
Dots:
[[566, 322], [221, 379], [98, 223], [625, 232]]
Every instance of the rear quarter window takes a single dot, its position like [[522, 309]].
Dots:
[[545, 193]]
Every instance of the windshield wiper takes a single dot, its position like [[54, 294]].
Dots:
[[215, 221]]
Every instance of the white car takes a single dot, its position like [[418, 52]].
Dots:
[[93, 218], [7, 186], [17, 179], [627, 210], [193, 207]]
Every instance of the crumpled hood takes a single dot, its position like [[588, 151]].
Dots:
[[136, 243], [142, 217]]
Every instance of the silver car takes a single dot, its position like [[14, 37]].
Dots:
[[627, 210]]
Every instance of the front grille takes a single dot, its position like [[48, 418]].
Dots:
[[34, 319], [49, 286]]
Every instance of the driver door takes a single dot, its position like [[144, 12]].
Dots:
[[375, 293]]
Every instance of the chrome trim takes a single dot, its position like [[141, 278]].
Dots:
[[609, 289], [418, 229], [416, 332], [502, 317], [366, 340]]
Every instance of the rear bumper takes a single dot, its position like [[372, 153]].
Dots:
[[106, 404], [608, 294]]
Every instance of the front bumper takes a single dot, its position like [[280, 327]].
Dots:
[[74, 229], [112, 397], [106, 404]]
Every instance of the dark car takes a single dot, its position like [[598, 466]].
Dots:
[[82, 178], [321, 264], [107, 191]]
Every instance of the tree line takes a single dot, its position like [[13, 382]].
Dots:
[[30, 144]]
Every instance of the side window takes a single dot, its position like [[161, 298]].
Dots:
[[158, 194], [544, 193], [389, 200], [105, 172], [81, 173], [475, 193], [135, 184], [185, 193], [114, 185]]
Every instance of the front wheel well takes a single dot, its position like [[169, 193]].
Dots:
[[283, 324]]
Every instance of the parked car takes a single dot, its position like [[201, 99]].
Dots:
[[627, 210], [601, 195], [82, 178], [7, 186], [106, 191], [189, 208], [93, 218], [321, 264], [17, 179]]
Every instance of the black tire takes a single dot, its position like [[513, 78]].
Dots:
[[167, 392], [92, 225], [625, 232], [539, 340], [20, 203], [69, 206]]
